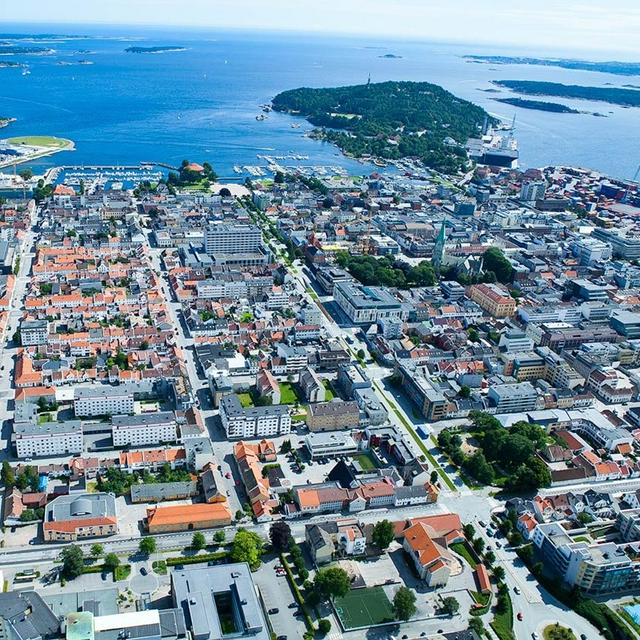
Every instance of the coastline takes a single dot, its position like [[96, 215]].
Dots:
[[68, 145]]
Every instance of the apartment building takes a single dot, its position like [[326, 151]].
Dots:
[[102, 400], [145, 429], [596, 569], [34, 332], [494, 299], [253, 422], [331, 416], [423, 392], [47, 439]]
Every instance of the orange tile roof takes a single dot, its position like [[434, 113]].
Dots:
[[308, 498], [69, 526], [421, 543], [188, 513]]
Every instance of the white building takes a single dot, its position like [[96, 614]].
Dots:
[[226, 238], [330, 443], [214, 289], [102, 401], [34, 332], [532, 191], [253, 422], [145, 429], [367, 304], [48, 439]]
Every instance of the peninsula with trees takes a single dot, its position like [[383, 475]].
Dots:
[[612, 95], [537, 105], [390, 120], [612, 66]]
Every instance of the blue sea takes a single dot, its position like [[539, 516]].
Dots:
[[202, 103]]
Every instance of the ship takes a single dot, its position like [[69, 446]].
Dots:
[[497, 147]]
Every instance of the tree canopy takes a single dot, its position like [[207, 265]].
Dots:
[[247, 547], [383, 534], [147, 546], [72, 561], [280, 534], [332, 582], [404, 603], [494, 260], [386, 271]]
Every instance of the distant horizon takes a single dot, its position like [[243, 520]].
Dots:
[[133, 29], [572, 25]]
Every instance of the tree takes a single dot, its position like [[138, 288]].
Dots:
[[498, 573], [465, 391], [433, 478], [279, 177], [26, 174], [198, 541], [280, 534], [72, 562], [476, 625], [494, 260], [147, 546], [469, 531], [332, 582], [404, 603], [247, 547], [584, 517], [111, 562], [490, 557], [478, 544], [450, 605], [479, 468], [219, 537], [8, 475], [324, 626], [383, 534], [97, 550], [473, 334], [360, 354]]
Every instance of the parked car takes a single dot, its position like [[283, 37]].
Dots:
[[273, 611], [516, 590], [143, 571], [520, 616]]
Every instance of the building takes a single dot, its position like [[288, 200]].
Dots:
[[34, 333], [47, 439], [513, 398], [350, 539], [515, 341], [231, 239], [427, 397], [24, 615], [160, 491], [432, 561], [102, 400], [623, 245], [320, 540], [76, 516], [532, 191], [311, 385], [144, 429], [219, 602], [628, 522], [494, 299], [626, 323], [334, 415], [366, 305], [589, 251], [596, 569], [253, 422], [328, 445], [187, 517]]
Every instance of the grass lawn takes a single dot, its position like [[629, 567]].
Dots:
[[366, 462], [245, 400], [329, 395], [40, 141], [502, 623], [557, 633], [288, 393], [160, 567], [582, 539], [122, 572], [44, 417], [461, 549], [299, 416], [364, 607]]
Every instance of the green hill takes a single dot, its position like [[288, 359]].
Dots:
[[390, 120]]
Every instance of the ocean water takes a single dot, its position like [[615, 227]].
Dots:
[[202, 103]]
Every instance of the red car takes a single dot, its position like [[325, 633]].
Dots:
[[520, 616]]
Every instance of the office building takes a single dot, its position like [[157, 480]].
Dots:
[[232, 239], [532, 191], [80, 515], [328, 445], [219, 602], [364, 305], [513, 398]]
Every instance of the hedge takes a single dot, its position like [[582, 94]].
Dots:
[[201, 557], [296, 593]]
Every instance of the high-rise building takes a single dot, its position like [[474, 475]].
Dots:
[[532, 191], [232, 238]]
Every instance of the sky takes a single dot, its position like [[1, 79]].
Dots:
[[581, 25]]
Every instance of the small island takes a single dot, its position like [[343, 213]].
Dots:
[[11, 50], [154, 49], [390, 120], [537, 105], [612, 95], [73, 63], [8, 64], [391, 56], [613, 66]]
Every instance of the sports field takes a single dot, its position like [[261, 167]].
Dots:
[[363, 608], [40, 141]]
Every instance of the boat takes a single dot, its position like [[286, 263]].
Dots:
[[260, 117], [237, 169], [26, 72]]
